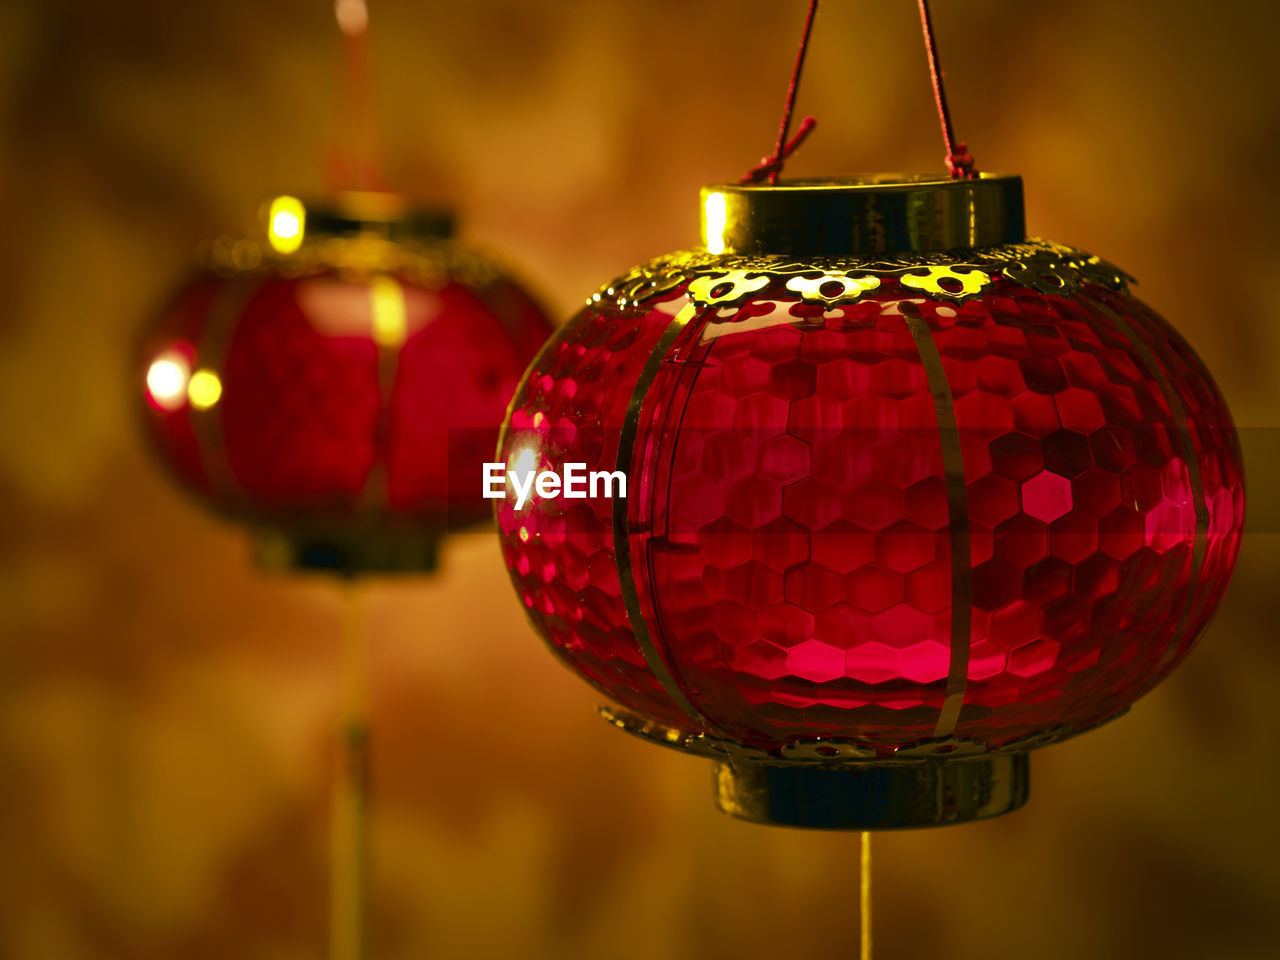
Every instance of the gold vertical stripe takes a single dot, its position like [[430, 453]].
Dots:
[[958, 517], [388, 330], [349, 814], [1182, 428], [621, 541], [211, 353], [864, 898]]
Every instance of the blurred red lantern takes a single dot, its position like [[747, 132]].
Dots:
[[338, 384], [909, 494]]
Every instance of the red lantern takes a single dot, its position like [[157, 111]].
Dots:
[[339, 385], [908, 494]]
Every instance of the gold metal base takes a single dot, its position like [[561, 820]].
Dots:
[[873, 796], [347, 553]]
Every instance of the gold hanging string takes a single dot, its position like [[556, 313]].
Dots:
[[864, 898], [349, 815], [959, 162], [770, 167]]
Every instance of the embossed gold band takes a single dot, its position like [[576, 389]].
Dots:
[[879, 214]]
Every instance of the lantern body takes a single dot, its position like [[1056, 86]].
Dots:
[[880, 509], [340, 398]]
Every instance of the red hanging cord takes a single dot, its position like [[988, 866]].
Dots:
[[771, 166], [354, 161], [959, 163]]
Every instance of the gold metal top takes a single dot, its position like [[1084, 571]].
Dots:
[[390, 216], [876, 214], [358, 234]]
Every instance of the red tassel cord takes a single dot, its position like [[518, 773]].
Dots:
[[771, 167], [354, 154], [959, 163]]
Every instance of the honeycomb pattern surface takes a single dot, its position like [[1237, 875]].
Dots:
[[790, 528], [797, 565], [323, 415], [301, 395], [1220, 461], [560, 552], [455, 377], [182, 327]]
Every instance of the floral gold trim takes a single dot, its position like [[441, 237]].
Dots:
[[430, 264], [725, 289], [947, 283], [833, 751], [831, 287], [953, 276]]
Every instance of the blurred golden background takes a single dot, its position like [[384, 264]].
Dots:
[[165, 709]]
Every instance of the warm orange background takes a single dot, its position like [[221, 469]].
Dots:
[[165, 708]]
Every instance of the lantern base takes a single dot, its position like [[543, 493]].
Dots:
[[344, 553], [873, 796]]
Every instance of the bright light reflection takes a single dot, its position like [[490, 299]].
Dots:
[[286, 224], [353, 15], [167, 380], [526, 462], [521, 468], [714, 222], [389, 321], [204, 389]]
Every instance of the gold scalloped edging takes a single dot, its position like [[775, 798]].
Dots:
[[429, 264], [954, 276], [832, 751]]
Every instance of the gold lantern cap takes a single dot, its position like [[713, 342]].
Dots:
[[389, 216], [883, 213]]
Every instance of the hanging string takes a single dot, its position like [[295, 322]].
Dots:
[[864, 898], [959, 163], [349, 814], [771, 166], [354, 154]]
